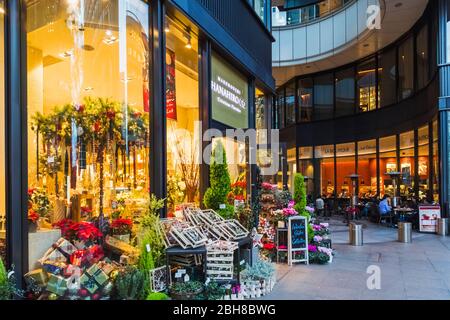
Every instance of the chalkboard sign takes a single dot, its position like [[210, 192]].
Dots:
[[297, 239]]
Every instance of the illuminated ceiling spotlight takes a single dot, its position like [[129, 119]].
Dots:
[[2, 10], [89, 89], [66, 54], [188, 37], [166, 26]]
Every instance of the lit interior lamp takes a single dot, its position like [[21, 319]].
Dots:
[[166, 27], [188, 36], [2, 10]]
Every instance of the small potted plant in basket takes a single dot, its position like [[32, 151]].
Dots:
[[121, 229], [189, 290]]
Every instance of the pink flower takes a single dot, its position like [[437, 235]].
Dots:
[[312, 248], [327, 251], [289, 212], [317, 238], [291, 204], [325, 225]]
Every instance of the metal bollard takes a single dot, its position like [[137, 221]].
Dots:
[[405, 232], [355, 234], [442, 227]]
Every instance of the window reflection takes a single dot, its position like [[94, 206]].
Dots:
[[325, 157], [367, 168], [407, 164], [406, 68], [305, 99], [345, 92], [323, 97]]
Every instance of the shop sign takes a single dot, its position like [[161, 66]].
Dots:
[[428, 218], [229, 93], [297, 239]]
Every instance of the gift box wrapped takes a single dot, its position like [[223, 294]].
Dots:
[[54, 267], [61, 250], [86, 257], [106, 266], [89, 283], [94, 278], [57, 285], [36, 277]]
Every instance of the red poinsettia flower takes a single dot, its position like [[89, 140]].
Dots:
[[269, 246], [97, 126], [31, 191], [80, 108], [122, 226], [239, 198], [86, 210], [137, 114], [33, 216]]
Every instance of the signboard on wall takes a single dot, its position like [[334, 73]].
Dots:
[[229, 94], [428, 218], [171, 100]]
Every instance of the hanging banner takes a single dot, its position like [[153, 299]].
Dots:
[[171, 102]]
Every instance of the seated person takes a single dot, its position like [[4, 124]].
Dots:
[[385, 208]]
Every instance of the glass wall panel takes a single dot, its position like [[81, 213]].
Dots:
[[290, 104], [325, 157], [88, 110], [280, 109], [422, 56], [366, 84], [424, 164], [182, 89], [306, 167], [345, 166], [292, 168], [388, 163], [387, 78], [367, 168], [345, 92], [435, 162], [406, 68], [305, 99], [2, 136], [407, 164], [323, 97]]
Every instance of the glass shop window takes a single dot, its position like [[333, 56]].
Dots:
[[88, 112], [182, 94], [366, 84]]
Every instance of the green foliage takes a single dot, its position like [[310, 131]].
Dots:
[[186, 287], [129, 284], [146, 263], [282, 198], [318, 257], [300, 196], [150, 232], [213, 291], [228, 212], [6, 288], [245, 217], [310, 233], [220, 183], [256, 198], [157, 296], [259, 271]]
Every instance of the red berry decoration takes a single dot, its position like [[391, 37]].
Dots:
[[83, 293], [96, 296], [110, 114], [97, 126]]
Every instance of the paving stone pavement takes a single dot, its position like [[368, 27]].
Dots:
[[416, 271]]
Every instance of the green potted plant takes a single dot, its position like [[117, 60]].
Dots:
[[6, 285], [189, 290], [216, 196], [129, 284]]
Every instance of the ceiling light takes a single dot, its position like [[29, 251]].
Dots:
[[2, 11], [109, 33], [188, 37], [89, 89], [166, 26]]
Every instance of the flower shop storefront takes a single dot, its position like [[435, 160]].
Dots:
[[94, 97]]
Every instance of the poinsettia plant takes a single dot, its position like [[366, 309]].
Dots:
[[79, 231], [33, 216], [121, 226]]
